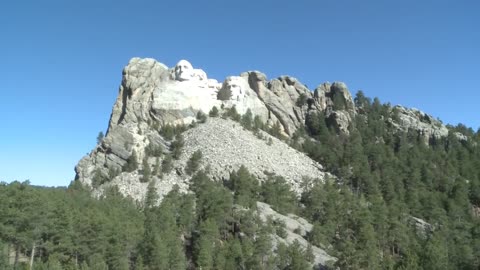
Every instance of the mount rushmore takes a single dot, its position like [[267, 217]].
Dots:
[[152, 96]]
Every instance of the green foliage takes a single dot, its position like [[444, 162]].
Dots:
[[339, 102], [153, 150], [276, 192], [3, 256], [171, 131], [245, 187], [301, 100], [276, 131], [201, 117], [213, 112], [224, 94], [167, 164], [157, 169], [316, 126], [232, 114], [146, 171], [177, 146], [361, 101], [247, 120], [132, 162], [99, 178], [206, 229], [280, 226], [257, 123], [385, 177], [100, 137], [193, 162], [68, 225]]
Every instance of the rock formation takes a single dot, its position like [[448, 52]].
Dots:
[[152, 95], [297, 229], [337, 103], [427, 127]]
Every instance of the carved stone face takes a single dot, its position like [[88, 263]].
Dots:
[[199, 75], [183, 71], [234, 84]]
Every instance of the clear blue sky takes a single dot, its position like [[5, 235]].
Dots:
[[62, 60]]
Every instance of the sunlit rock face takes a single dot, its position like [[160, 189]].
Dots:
[[280, 97], [244, 98], [183, 71], [152, 95], [178, 97]]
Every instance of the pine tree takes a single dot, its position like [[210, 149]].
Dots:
[[167, 164], [301, 100], [247, 120], [213, 112], [257, 123], [201, 117], [157, 170], [204, 245], [224, 94], [297, 257], [132, 162], [3, 256], [177, 146], [100, 137], [277, 193], [146, 171], [139, 264], [245, 187], [194, 162], [435, 254]]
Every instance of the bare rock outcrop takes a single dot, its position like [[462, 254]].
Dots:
[[280, 96], [296, 229], [337, 104], [152, 95], [412, 119]]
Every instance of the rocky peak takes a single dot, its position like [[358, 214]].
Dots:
[[337, 104], [427, 127], [152, 96]]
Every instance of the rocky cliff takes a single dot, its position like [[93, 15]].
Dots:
[[152, 96]]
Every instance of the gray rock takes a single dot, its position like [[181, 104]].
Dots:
[[152, 95], [423, 228], [280, 97], [325, 97], [412, 119], [296, 228], [226, 146]]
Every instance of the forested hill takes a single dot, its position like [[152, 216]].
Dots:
[[394, 201]]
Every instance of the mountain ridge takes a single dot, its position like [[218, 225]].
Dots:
[[153, 96]]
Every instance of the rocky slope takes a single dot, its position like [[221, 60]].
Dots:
[[225, 146]]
